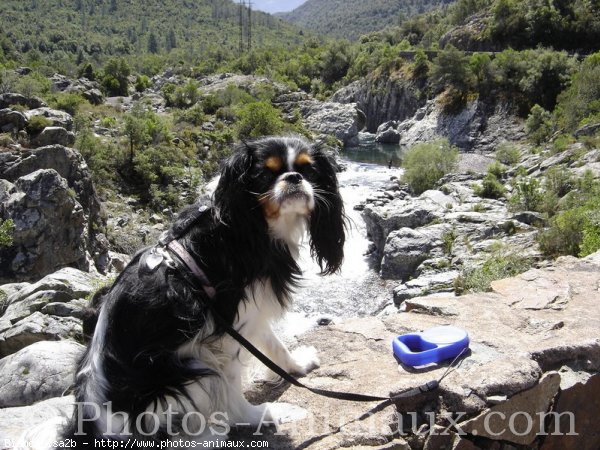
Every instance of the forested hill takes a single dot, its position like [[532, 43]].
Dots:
[[68, 31], [352, 18]]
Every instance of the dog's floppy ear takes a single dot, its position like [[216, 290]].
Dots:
[[327, 221], [231, 197]]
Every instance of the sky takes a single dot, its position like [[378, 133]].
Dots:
[[273, 6]]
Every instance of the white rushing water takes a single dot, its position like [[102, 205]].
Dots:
[[357, 290]]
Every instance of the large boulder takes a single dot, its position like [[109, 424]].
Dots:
[[38, 372], [404, 250], [343, 121], [49, 226], [387, 133], [11, 120], [71, 166], [53, 135], [63, 286], [11, 98], [90, 90], [58, 118]]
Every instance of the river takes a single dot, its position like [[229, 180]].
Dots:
[[357, 290]]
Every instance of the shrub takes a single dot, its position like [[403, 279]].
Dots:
[[424, 164], [67, 101], [115, 79], [448, 239], [565, 234], [539, 125], [259, 119], [7, 228], [37, 123], [193, 115], [508, 154], [498, 266], [491, 187], [142, 82], [527, 195]]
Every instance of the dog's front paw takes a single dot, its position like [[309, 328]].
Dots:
[[304, 359], [286, 412]]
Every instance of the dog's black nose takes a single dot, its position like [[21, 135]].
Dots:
[[293, 178]]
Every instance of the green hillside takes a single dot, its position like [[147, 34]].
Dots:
[[353, 18], [62, 33]]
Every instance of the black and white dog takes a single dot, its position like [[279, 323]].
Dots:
[[159, 364]]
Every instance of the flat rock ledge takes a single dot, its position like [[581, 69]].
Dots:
[[530, 381]]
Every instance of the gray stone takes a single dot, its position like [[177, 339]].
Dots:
[[49, 228], [70, 165], [12, 120], [387, 133], [58, 118], [519, 419], [336, 119], [18, 420], [530, 218], [38, 372], [38, 327], [11, 98], [404, 250], [53, 135]]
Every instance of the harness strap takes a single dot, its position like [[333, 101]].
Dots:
[[201, 280]]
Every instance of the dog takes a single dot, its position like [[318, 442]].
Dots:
[[159, 365]]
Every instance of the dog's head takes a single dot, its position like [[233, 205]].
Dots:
[[275, 183]]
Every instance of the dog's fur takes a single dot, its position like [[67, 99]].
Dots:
[[157, 346]]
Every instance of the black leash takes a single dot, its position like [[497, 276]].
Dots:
[[200, 281]]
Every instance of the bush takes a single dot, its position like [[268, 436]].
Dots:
[[142, 82], [7, 228], [539, 125], [259, 119], [67, 101], [193, 115], [37, 123], [115, 79], [565, 234], [491, 187], [527, 195], [508, 154], [424, 164], [498, 266]]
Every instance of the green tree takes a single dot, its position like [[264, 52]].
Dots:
[[451, 70], [424, 164], [152, 43], [539, 125], [115, 79]]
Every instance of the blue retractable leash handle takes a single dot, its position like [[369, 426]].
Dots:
[[430, 346]]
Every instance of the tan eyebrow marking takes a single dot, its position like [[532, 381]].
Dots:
[[274, 163], [303, 159]]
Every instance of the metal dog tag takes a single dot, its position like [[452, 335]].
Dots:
[[154, 259]]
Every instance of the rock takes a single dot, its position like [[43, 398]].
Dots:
[[380, 221], [71, 166], [49, 228], [525, 411], [562, 157], [58, 118], [570, 431], [470, 36], [38, 327], [62, 286], [343, 121], [19, 419], [89, 90], [587, 130], [404, 250], [387, 133], [425, 285], [53, 135], [383, 99], [477, 127], [530, 218], [38, 372], [10, 98], [536, 289], [12, 120]]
